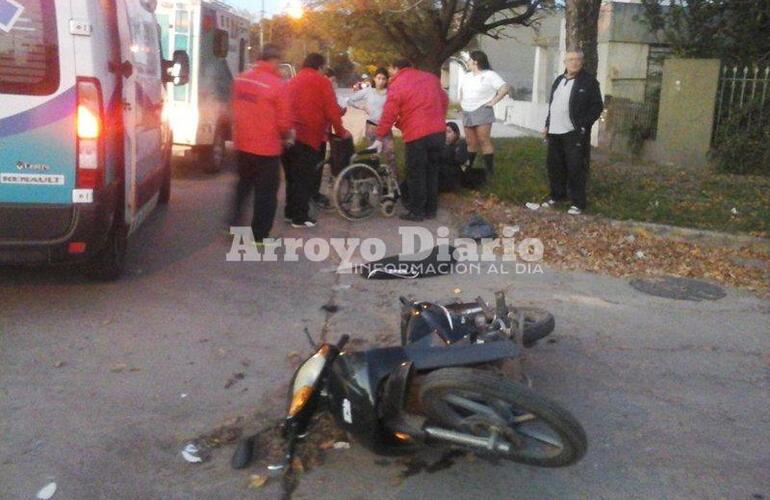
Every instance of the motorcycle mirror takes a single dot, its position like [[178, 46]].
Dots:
[[501, 308]]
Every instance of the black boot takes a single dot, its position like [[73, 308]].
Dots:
[[471, 159], [489, 164]]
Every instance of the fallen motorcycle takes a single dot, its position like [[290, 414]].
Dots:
[[438, 387], [473, 322]]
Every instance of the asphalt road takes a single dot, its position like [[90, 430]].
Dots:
[[102, 385]]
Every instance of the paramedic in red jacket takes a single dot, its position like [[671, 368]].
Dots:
[[261, 125], [314, 108], [417, 104]]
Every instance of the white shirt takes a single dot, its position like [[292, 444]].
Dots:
[[371, 99], [560, 121], [477, 90]]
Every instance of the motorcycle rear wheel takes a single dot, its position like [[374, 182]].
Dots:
[[538, 431]]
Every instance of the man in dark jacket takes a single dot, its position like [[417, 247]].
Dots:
[[417, 105], [575, 104]]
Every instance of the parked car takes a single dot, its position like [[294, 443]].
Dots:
[[84, 150]]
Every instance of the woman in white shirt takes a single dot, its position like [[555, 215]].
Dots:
[[372, 101], [480, 89]]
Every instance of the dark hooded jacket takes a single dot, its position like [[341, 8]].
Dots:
[[585, 101]]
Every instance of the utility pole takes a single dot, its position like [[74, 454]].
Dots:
[[262, 28]]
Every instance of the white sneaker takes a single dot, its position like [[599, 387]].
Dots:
[[573, 210], [304, 224], [549, 203], [532, 206]]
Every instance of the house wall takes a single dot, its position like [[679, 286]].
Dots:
[[623, 69], [686, 116], [532, 58], [512, 55], [623, 46]]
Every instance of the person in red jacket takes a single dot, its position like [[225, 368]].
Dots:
[[417, 104], [261, 125], [314, 108]]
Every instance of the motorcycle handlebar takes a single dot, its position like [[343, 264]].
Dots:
[[342, 341]]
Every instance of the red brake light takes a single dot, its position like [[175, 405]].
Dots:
[[90, 133], [88, 123]]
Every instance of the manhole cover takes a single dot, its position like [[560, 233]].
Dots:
[[671, 287]]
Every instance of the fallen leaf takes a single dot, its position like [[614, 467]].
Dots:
[[234, 379], [257, 481], [327, 445], [297, 465], [330, 308], [118, 368]]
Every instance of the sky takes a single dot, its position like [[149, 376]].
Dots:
[[271, 6]]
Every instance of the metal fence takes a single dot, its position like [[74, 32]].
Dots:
[[627, 117], [739, 88]]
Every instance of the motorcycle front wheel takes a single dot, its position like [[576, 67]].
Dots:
[[538, 431], [538, 323]]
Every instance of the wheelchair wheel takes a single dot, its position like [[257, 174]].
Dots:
[[388, 208], [357, 192]]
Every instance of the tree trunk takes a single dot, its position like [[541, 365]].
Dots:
[[582, 26], [431, 64]]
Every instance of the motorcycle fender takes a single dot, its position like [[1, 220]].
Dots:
[[393, 403], [355, 386], [460, 355], [394, 392]]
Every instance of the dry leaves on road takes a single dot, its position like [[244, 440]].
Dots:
[[592, 243]]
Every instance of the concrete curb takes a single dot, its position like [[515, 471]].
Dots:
[[700, 236]]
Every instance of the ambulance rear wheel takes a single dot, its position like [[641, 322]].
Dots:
[[212, 158], [110, 262], [165, 189]]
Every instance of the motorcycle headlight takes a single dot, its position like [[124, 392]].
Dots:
[[305, 380]]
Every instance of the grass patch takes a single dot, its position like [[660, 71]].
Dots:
[[621, 189]]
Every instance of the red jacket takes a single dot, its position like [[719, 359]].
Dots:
[[416, 104], [261, 110], [314, 107]]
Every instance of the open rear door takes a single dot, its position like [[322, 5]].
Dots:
[[124, 8], [142, 108]]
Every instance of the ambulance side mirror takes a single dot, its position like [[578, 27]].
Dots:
[[177, 70]]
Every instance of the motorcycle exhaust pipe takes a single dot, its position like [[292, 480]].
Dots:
[[490, 443]]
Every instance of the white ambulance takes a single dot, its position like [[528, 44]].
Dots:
[[216, 39], [84, 150]]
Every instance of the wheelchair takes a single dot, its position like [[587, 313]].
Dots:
[[364, 187]]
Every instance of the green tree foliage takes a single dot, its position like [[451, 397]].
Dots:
[[743, 141], [427, 32], [736, 31]]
